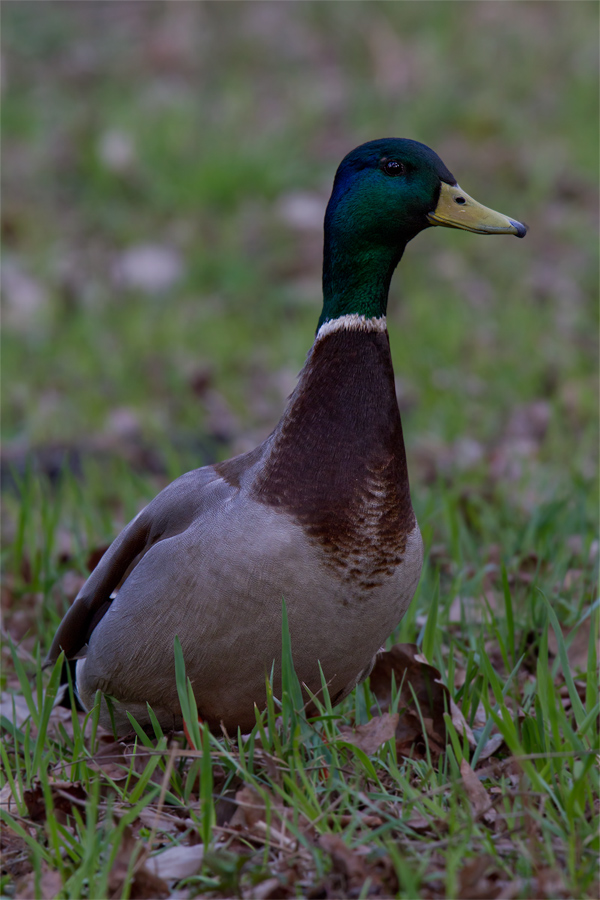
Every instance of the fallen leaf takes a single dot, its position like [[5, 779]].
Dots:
[[461, 724], [366, 820], [418, 680], [479, 879], [144, 883], [463, 727], [577, 643], [492, 746], [8, 802], [163, 822], [114, 759], [371, 736], [250, 808], [345, 861], [50, 884], [480, 800], [61, 723], [550, 883], [65, 796], [420, 824], [176, 862], [15, 852], [271, 889], [359, 871], [110, 760], [14, 708]]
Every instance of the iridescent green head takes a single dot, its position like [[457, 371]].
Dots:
[[385, 192]]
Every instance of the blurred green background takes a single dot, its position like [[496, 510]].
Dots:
[[165, 172]]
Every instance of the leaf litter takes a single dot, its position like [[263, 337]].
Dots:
[[423, 703], [252, 819], [412, 711]]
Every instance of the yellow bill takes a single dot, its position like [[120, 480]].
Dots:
[[455, 209]]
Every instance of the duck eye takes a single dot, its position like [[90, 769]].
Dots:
[[392, 167]]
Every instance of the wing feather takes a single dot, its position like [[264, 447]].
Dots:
[[170, 513]]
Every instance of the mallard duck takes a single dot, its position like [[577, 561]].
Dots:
[[319, 514]]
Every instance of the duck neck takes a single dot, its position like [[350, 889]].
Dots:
[[336, 461], [356, 278]]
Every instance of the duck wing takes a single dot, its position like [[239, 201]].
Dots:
[[169, 514]]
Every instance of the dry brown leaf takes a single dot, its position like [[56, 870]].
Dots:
[[225, 806], [577, 645], [109, 759], [15, 853], [250, 808], [272, 889], [50, 884], [113, 759], [61, 722], [463, 727], [480, 800], [65, 796], [345, 861], [479, 879], [251, 815], [550, 883], [371, 736], [8, 802], [492, 746], [366, 820], [14, 707], [420, 680], [352, 868], [461, 724], [163, 822], [144, 884], [176, 862], [419, 823]]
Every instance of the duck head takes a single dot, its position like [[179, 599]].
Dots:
[[385, 192]]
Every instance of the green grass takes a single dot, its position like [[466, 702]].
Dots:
[[493, 657], [495, 350]]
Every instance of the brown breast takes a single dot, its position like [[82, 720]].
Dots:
[[337, 462]]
